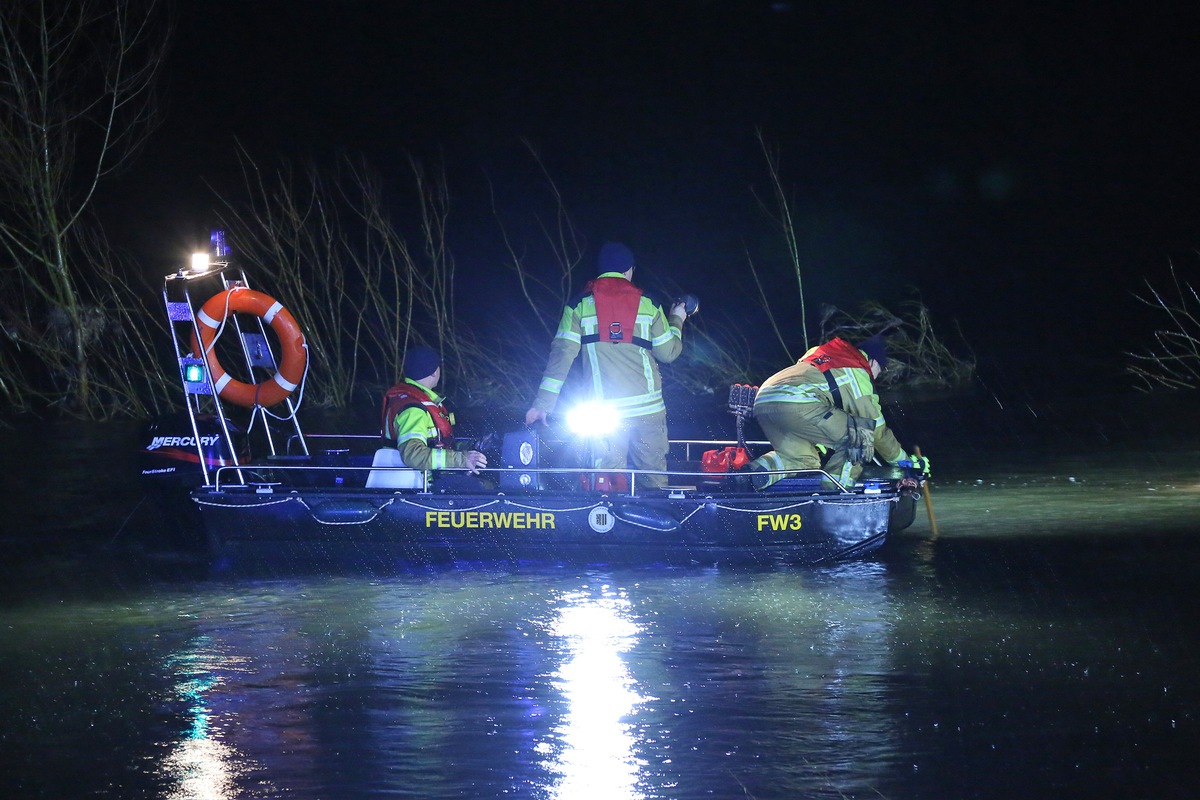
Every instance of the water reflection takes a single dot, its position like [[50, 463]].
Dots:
[[199, 765], [781, 682], [593, 749], [907, 677]]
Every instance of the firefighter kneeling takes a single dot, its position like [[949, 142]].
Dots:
[[827, 399]]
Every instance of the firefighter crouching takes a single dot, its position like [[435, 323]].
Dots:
[[827, 398]]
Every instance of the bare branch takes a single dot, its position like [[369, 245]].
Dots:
[[76, 102], [1173, 361]]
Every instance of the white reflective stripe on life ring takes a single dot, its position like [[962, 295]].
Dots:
[[284, 382], [223, 381], [207, 321], [270, 315]]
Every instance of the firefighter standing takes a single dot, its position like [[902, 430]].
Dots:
[[826, 398], [416, 421], [623, 335]]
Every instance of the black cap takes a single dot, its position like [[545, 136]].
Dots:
[[615, 257], [421, 362], [876, 349]]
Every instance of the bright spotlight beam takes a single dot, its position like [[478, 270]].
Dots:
[[593, 419]]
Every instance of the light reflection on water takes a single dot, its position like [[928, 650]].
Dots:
[[592, 750], [542, 685], [200, 766]]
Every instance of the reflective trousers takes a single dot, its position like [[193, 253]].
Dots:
[[642, 440], [795, 430]]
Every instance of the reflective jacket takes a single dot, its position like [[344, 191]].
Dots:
[[622, 371], [417, 423], [812, 378]]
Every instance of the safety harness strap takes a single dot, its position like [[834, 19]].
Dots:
[[592, 338], [834, 390]]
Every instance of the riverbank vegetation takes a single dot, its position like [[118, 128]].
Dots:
[[76, 104], [366, 268], [1172, 361]]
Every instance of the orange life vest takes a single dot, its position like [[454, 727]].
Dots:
[[617, 302], [836, 353], [405, 395]]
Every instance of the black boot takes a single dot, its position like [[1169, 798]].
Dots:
[[741, 482], [760, 480]]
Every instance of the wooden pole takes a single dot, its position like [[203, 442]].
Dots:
[[928, 497]]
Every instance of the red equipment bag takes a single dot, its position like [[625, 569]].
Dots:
[[730, 459], [605, 482]]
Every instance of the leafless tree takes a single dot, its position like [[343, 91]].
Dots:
[[1173, 360], [782, 215], [918, 358], [77, 101], [545, 291], [362, 290]]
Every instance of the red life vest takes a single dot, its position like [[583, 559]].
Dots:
[[837, 353], [617, 301], [406, 395]]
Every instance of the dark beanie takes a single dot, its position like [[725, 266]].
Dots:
[[615, 257], [421, 362], [876, 349]]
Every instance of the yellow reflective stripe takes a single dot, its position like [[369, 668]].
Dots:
[[670, 333], [772, 461], [413, 436], [786, 393], [638, 405]]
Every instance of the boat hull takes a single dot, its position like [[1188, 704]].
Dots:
[[424, 528]]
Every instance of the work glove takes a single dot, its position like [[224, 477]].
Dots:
[[860, 440], [919, 464]]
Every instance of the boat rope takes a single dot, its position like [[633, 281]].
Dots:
[[689, 516], [763, 510], [528, 507], [802, 503], [371, 518], [424, 507], [858, 502], [288, 499], [637, 524]]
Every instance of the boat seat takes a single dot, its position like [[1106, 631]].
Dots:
[[393, 479]]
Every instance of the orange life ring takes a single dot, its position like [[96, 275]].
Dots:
[[295, 353]]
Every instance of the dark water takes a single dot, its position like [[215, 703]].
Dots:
[[1042, 644]]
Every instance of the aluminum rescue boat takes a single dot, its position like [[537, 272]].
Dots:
[[321, 493]]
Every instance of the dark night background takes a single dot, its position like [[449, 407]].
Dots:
[[1024, 167]]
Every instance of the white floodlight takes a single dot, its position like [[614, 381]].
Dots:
[[593, 419]]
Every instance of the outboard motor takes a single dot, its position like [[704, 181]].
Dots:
[[171, 457]]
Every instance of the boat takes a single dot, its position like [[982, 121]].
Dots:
[[538, 502]]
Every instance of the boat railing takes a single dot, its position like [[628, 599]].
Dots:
[[708, 444], [692, 448], [222, 481], [678, 479]]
